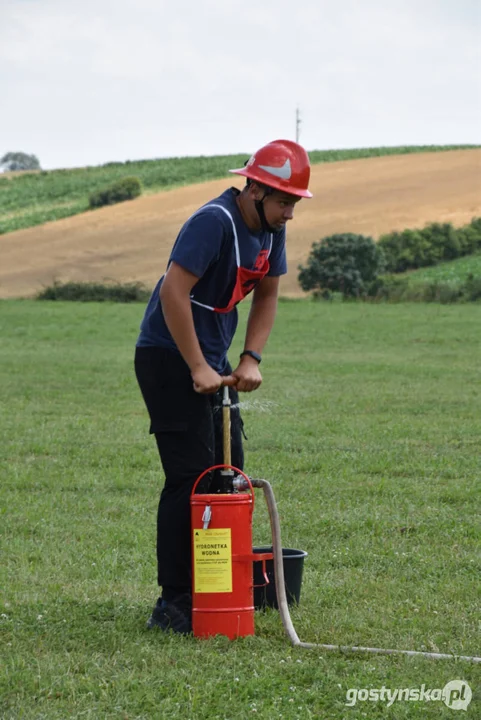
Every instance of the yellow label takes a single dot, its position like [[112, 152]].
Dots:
[[212, 560]]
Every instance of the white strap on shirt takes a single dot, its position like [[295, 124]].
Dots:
[[236, 244]]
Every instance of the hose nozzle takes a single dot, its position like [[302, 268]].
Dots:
[[240, 483]]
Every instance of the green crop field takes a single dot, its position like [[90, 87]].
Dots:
[[33, 198], [368, 424], [453, 272]]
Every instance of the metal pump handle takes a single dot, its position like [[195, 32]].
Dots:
[[226, 404]]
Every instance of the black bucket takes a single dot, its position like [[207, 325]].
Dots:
[[266, 596]]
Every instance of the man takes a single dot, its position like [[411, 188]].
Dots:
[[231, 246]]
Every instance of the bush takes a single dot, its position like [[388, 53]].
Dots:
[[409, 249], [470, 237], [442, 292], [388, 287], [126, 189], [95, 292], [399, 289], [472, 288], [341, 263]]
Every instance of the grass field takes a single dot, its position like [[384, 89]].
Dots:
[[33, 198], [368, 425]]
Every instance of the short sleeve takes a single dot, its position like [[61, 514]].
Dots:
[[199, 243], [277, 258]]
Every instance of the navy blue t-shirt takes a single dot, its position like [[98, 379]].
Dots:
[[205, 247]]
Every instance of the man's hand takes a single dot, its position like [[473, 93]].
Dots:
[[247, 374], [208, 381]]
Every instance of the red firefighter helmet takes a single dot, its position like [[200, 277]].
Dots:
[[282, 165]]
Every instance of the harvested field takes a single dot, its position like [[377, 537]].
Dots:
[[132, 241]]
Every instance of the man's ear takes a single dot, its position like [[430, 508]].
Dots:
[[256, 192]]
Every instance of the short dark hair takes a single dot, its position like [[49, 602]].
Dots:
[[267, 189]]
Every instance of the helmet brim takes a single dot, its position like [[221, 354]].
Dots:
[[281, 185]]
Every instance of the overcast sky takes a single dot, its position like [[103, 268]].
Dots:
[[83, 82]]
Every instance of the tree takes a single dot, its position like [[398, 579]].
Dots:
[[343, 263], [19, 161]]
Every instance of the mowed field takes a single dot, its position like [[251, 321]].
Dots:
[[368, 426], [132, 241]]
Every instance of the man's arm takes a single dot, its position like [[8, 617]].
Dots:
[[176, 306], [259, 325]]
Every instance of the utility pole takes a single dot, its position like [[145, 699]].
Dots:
[[298, 124]]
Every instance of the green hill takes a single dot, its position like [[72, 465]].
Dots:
[[34, 198], [454, 272]]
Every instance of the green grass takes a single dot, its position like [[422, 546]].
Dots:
[[368, 425], [454, 272], [33, 198]]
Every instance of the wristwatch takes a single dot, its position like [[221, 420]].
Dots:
[[252, 354]]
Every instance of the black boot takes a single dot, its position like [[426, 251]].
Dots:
[[174, 614]]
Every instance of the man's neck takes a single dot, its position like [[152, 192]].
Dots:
[[248, 212]]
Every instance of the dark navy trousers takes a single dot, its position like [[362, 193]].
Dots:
[[188, 430]]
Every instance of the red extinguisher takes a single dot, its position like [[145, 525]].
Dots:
[[222, 557]]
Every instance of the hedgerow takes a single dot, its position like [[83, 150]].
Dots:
[[433, 244], [392, 288], [127, 188], [95, 292]]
